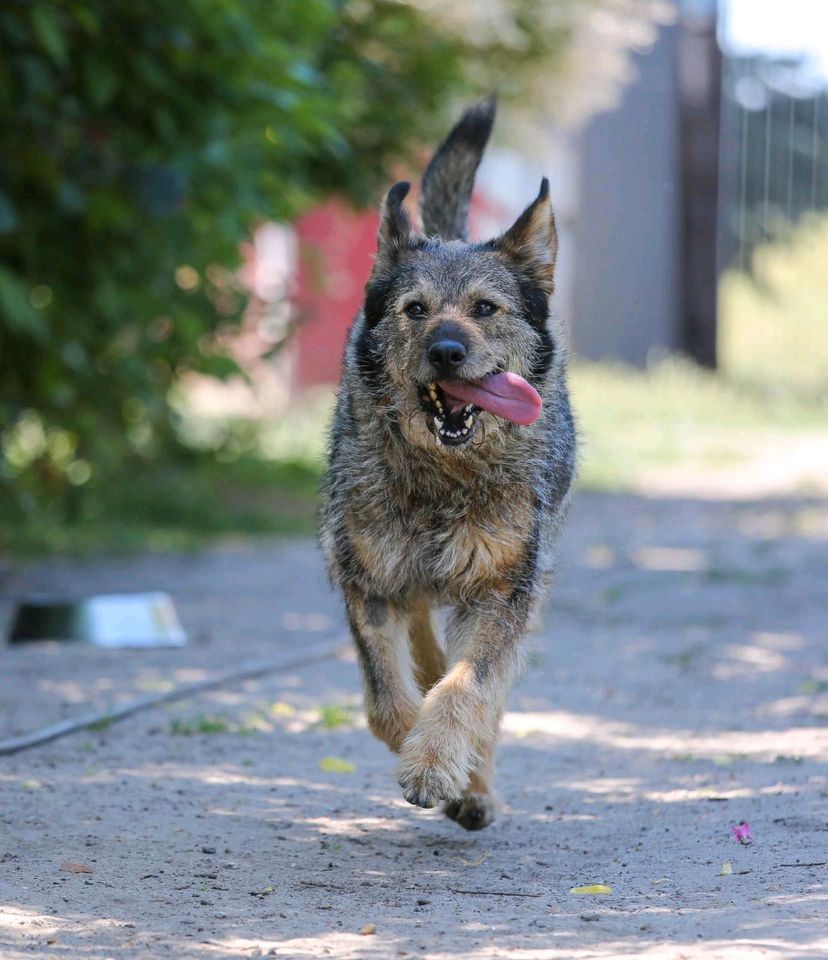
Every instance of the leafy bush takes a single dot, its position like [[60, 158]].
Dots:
[[140, 143]]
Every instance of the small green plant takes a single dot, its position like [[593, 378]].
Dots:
[[204, 723], [334, 715], [99, 725]]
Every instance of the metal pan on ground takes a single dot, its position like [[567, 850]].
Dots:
[[107, 620]]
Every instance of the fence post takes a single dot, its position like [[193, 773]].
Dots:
[[699, 86]]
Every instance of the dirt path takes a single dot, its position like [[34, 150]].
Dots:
[[679, 687]]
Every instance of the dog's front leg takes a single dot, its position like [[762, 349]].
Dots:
[[453, 739], [392, 699]]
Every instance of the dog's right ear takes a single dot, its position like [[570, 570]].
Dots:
[[395, 230]]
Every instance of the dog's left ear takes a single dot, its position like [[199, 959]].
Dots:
[[532, 241], [395, 230]]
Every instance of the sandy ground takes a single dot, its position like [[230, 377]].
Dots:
[[680, 686]]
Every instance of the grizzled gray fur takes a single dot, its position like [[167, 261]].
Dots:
[[433, 499]]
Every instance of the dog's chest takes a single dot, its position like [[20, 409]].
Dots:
[[463, 547]]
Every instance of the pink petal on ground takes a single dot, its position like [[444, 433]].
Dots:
[[741, 832]]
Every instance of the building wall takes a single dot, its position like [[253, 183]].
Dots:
[[626, 294]]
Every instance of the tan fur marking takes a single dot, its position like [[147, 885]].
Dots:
[[488, 554], [392, 709], [428, 656]]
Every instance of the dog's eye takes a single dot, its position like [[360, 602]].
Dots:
[[415, 309], [484, 308]]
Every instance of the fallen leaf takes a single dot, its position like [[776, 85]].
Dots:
[[741, 832], [31, 784], [70, 867], [727, 869], [280, 709], [592, 888], [725, 759], [661, 880], [261, 894], [474, 863], [336, 765], [368, 929]]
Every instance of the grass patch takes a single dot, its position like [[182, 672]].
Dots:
[[204, 723], [675, 413], [333, 716], [177, 506], [98, 726], [773, 333]]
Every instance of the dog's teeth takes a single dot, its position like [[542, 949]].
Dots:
[[433, 394], [469, 421]]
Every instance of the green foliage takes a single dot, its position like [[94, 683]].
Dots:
[[175, 505], [140, 143]]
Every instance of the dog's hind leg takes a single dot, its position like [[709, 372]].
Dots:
[[381, 635], [477, 807], [428, 656]]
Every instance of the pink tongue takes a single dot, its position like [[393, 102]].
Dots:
[[505, 394]]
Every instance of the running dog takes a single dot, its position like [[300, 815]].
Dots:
[[451, 459]]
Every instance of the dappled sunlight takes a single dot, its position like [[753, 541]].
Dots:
[[611, 789], [779, 641], [670, 559], [705, 792], [762, 745], [707, 949], [32, 929], [306, 622], [772, 523], [599, 557], [745, 659], [341, 826], [804, 704], [17, 918], [346, 944]]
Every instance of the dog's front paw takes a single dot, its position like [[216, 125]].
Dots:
[[473, 811], [430, 775]]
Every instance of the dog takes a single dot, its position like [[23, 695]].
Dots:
[[451, 459]]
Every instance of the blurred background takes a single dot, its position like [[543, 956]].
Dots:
[[188, 197]]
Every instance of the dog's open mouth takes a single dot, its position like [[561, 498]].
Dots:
[[452, 422], [454, 405]]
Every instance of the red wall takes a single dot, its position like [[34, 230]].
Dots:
[[336, 249]]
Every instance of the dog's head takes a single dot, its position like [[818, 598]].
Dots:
[[455, 336], [456, 333]]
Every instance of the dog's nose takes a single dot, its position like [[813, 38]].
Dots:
[[446, 356]]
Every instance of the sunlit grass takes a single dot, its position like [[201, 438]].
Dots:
[[774, 324], [672, 414]]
